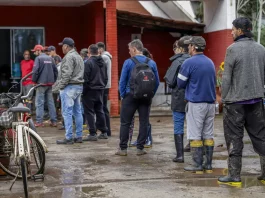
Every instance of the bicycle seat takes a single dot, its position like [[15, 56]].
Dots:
[[20, 108]]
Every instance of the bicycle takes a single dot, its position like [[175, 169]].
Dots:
[[20, 139]]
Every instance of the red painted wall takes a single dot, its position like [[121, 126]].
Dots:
[[59, 22], [216, 45], [160, 44]]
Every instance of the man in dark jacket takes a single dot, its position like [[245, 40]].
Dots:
[[96, 79], [178, 103], [44, 72], [242, 93]]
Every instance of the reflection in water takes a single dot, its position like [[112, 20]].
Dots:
[[68, 192]]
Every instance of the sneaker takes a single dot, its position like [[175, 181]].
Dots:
[[65, 141], [91, 138], [103, 136], [39, 125], [141, 152], [53, 124], [78, 140], [134, 144], [121, 152]]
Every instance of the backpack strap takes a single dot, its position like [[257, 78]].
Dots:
[[135, 60], [147, 60]]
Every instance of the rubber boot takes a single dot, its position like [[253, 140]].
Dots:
[[262, 164], [179, 148], [197, 156], [234, 170], [187, 148], [148, 142], [209, 147]]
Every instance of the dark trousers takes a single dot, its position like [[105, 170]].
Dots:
[[93, 104], [250, 116], [106, 111], [128, 108]]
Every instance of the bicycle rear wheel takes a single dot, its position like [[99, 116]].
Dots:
[[24, 170], [37, 154]]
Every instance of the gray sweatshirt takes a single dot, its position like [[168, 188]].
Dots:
[[243, 77], [107, 59]]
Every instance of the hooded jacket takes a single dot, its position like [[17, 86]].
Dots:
[[107, 59], [95, 75], [178, 103]]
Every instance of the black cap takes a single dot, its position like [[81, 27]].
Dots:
[[51, 48], [67, 41], [181, 43], [245, 25], [197, 41]]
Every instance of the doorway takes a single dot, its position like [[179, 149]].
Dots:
[[14, 41]]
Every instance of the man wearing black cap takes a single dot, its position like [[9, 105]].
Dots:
[[52, 51], [242, 93], [71, 87], [197, 75]]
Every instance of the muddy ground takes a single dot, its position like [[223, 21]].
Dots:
[[91, 169]]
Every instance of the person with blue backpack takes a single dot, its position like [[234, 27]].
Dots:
[[138, 84]]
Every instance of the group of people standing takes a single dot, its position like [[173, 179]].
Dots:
[[192, 81], [73, 82], [193, 97]]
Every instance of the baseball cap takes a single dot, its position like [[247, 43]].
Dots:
[[197, 41], [180, 42], [84, 51], [245, 25], [67, 41], [51, 48], [37, 47]]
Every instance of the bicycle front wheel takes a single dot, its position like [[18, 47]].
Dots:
[[24, 170], [37, 158]]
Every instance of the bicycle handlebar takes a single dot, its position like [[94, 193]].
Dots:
[[21, 85]]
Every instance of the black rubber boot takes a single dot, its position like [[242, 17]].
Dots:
[[262, 164], [179, 148], [209, 147], [197, 156], [234, 168], [187, 148]]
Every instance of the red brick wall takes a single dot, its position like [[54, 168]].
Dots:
[[92, 23], [160, 44], [79, 23], [216, 45], [112, 47], [58, 22]]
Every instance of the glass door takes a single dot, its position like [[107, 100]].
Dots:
[[23, 39]]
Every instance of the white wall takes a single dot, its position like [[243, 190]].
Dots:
[[219, 14]]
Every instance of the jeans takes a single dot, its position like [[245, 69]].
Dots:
[[93, 104], [178, 119], [71, 106], [43, 94], [128, 109]]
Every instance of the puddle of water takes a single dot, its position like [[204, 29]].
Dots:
[[89, 189]]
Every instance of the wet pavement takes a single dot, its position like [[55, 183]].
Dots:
[[91, 169]]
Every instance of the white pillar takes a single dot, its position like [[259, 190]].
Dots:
[[219, 14]]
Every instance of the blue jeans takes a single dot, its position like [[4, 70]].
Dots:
[[71, 106], [44, 93], [178, 119]]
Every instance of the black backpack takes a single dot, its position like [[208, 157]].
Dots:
[[143, 81]]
